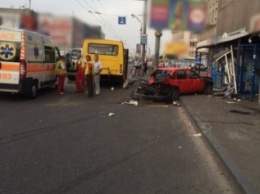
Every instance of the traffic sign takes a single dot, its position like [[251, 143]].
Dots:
[[144, 39], [121, 20]]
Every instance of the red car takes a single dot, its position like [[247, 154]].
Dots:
[[167, 83]]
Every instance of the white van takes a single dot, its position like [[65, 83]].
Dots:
[[27, 61], [72, 63]]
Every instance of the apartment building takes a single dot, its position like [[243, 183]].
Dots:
[[189, 38], [211, 24]]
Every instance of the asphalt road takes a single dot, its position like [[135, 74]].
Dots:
[[68, 144]]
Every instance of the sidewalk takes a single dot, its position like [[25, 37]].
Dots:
[[233, 129]]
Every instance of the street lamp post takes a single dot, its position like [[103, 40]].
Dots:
[[141, 28], [143, 32]]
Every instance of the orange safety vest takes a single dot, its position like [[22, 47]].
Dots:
[[60, 67], [89, 69]]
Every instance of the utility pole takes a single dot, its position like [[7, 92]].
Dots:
[[30, 4], [144, 34], [158, 35]]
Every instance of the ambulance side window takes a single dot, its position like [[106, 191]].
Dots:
[[49, 54]]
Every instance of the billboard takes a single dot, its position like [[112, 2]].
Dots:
[[178, 15], [59, 27]]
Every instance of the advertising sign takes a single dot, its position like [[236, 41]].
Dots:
[[178, 15], [138, 48], [59, 27]]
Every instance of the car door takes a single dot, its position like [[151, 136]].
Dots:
[[182, 81], [196, 83]]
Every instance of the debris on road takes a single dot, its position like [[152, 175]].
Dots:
[[197, 135], [230, 102], [128, 83], [130, 102], [111, 114], [176, 103]]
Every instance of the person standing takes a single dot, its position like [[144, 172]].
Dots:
[[150, 66], [137, 66], [80, 76], [60, 70], [145, 66], [97, 70], [89, 75]]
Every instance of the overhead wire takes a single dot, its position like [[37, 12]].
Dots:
[[108, 18], [89, 11], [106, 24], [126, 15]]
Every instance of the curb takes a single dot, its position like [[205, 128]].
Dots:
[[241, 178]]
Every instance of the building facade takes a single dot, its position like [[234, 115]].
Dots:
[[189, 38], [211, 23], [234, 15], [68, 32]]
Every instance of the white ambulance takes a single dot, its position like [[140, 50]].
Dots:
[[27, 61]]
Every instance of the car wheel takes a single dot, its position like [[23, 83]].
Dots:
[[208, 89], [34, 90], [175, 95]]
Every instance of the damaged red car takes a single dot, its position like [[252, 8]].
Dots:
[[168, 83]]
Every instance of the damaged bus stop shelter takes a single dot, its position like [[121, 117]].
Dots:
[[233, 63]]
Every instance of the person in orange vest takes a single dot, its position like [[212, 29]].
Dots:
[[80, 76], [60, 70], [89, 76]]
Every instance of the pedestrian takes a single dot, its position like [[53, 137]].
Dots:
[[145, 66], [97, 70], [60, 70], [150, 66], [161, 63], [137, 66], [167, 64], [89, 75], [80, 75]]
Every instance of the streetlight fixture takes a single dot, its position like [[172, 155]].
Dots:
[[135, 16]]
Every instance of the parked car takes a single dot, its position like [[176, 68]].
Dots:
[[168, 83], [200, 66]]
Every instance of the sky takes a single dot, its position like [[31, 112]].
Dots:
[[108, 18]]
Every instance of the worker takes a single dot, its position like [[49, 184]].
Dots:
[[60, 70], [97, 70], [89, 73], [80, 75]]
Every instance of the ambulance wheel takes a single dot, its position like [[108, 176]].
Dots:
[[34, 90]]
